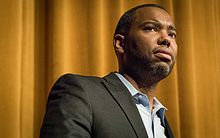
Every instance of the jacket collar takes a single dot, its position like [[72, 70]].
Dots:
[[124, 99]]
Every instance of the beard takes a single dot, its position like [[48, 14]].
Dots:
[[144, 69]]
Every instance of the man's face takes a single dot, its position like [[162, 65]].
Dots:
[[150, 46]]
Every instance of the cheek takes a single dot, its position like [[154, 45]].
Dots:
[[175, 49], [146, 45], [141, 44], [141, 48]]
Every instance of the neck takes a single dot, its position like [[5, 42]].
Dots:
[[149, 90]]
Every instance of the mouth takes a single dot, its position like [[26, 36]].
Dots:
[[163, 55]]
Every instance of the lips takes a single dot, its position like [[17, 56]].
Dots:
[[164, 55]]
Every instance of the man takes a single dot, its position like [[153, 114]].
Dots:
[[121, 104]]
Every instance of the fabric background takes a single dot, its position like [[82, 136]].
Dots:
[[43, 39]]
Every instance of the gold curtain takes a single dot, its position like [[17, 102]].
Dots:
[[43, 39]]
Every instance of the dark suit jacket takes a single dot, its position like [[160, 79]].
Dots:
[[80, 106]]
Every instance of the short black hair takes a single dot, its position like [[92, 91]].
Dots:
[[127, 19]]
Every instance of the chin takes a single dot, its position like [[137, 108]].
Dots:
[[142, 67], [162, 69]]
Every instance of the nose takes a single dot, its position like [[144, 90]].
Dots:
[[163, 40]]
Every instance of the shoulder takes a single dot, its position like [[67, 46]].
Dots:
[[77, 79], [70, 76], [74, 83], [92, 85]]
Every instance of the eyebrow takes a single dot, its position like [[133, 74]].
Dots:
[[157, 23], [171, 27]]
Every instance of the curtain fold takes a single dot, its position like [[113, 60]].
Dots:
[[43, 39], [17, 68]]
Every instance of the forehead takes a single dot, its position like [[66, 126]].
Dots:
[[152, 13]]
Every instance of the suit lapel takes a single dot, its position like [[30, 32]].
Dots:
[[168, 131], [124, 99]]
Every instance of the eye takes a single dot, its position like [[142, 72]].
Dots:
[[150, 28], [172, 35]]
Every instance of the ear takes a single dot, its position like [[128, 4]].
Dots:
[[119, 43]]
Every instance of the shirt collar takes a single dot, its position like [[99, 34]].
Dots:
[[156, 104]]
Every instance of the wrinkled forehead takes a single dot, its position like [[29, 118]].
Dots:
[[152, 13]]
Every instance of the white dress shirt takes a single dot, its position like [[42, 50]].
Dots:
[[150, 120]]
